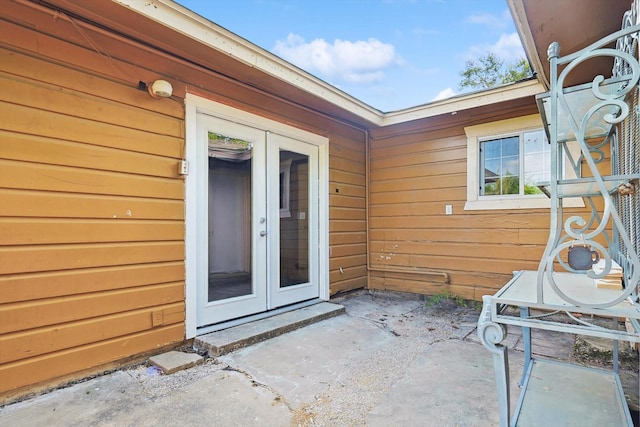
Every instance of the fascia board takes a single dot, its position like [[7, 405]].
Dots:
[[464, 102], [518, 12], [194, 26], [182, 20]]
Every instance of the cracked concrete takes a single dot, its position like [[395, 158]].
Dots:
[[388, 361]]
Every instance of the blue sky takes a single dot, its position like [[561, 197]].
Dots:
[[390, 54]]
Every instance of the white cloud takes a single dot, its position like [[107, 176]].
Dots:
[[360, 62], [486, 19], [492, 21], [444, 94], [508, 47]]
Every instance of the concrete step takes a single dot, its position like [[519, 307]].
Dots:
[[174, 361], [227, 340]]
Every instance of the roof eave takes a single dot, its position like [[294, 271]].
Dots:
[[199, 29], [464, 102], [194, 26], [528, 43]]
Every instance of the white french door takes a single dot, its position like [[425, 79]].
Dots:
[[292, 192], [258, 220]]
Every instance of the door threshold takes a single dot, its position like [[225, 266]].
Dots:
[[225, 341], [258, 316]]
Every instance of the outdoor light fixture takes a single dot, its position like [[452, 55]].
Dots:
[[160, 89]]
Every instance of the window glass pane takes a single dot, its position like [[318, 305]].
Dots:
[[491, 188], [510, 185], [492, 168], [534, 163], [535, 142], [511, 165], [294, 227], [492, 149], [507, 162], [511, 146], [500, 160], [537, 161], [530, 184], [229, 201]]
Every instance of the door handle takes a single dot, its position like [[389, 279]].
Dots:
[[263, 233]]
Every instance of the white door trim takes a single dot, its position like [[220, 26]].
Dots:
[[194, 105]]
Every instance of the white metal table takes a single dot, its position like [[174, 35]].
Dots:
[[553, 392]]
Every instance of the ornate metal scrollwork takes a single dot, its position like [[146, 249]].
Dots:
[[610, 107], [491, 334]]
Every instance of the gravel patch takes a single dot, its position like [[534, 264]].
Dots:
[[155, 385]]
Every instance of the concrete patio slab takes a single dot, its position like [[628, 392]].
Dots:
[[301, 365], [437, 389], [388, 361]]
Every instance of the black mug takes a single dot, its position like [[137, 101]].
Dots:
[[582, 257]]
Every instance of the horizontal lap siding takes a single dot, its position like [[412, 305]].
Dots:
[[92, 207], [412, 178], [91, 221], [347, 212]]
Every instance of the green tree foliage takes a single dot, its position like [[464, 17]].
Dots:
[[509, 185], [489, 71], [505, 185]]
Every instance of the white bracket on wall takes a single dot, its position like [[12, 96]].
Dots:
[[184, 167]]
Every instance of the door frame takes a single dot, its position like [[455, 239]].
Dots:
[[194, 182]]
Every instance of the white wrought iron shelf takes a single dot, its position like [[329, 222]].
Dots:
[[521, 292], [564, 391], [580, 99], [588, 187], [562, 295]]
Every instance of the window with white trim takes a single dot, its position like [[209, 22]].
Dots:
[[513, 164], [505, 160]]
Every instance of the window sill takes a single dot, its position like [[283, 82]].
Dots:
[[529, 202]]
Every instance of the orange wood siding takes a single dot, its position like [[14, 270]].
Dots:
[[347, 198], [347, 212], [91, 203], [412, 178], [91, 221]]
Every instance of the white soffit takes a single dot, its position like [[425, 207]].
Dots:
[[194, 26], [182, 20]]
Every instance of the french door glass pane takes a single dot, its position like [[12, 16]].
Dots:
[[229, 223], [294, 218]]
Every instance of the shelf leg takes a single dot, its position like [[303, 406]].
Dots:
[[526, 338], [501, 368], [491, 334], [616, 363]]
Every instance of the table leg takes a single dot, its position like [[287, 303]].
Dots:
[[492, 334], [526, 339]]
